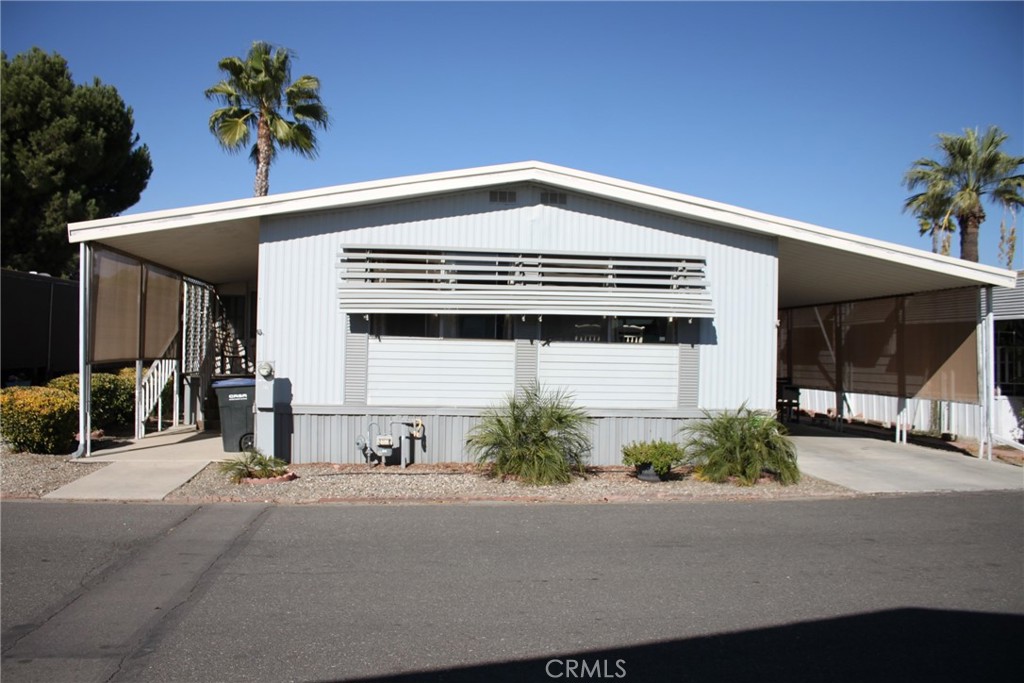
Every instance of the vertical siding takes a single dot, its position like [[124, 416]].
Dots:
[[439, 372], [299, 327], [303, 326], [331, 438], [626, 376]]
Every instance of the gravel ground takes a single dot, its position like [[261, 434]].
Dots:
[[324, 483], [31, 476], [24, 475]]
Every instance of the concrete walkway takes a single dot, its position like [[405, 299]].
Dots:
[[147, 469], [872, 465]]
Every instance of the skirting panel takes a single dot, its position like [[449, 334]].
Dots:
[[332, 438]]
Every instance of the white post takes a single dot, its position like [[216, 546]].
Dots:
[[988, 362], [177, 384], [140, 426], [84, 449], [159, 399]]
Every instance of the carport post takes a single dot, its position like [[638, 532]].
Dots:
[[84, 449], [986, 375]]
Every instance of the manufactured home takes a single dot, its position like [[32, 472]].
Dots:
[[413, 304]]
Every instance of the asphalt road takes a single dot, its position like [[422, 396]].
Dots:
[[901, 588]]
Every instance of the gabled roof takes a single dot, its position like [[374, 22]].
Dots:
[[219, 242]]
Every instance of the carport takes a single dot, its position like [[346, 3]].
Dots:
[[837, 276]]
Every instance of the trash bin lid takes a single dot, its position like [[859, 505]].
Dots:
[[239, 382]]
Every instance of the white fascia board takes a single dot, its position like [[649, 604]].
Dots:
[[706, 211], [614, 189], [339, 196]]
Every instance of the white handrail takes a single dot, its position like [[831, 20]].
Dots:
[[150, 394]]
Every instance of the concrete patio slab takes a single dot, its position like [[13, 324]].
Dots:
[[871, 465]]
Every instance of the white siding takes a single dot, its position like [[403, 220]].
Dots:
[[963, 419], [303, 331], [297, 321], [621, 376], [439, 372]]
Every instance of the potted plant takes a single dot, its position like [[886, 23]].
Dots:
[[653, 460]]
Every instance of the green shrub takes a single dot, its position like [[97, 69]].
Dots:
[[38, 419], [661, 455], [538, 437], [744, 445], [113, 397], [253, 464]]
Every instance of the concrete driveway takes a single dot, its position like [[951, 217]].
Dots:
[[872, 465]]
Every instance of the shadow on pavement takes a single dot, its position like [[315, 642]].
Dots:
[[871, 432], [896, 645]]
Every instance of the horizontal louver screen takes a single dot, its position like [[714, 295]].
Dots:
[[398, 280]]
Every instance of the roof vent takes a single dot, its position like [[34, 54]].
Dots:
[[503, 196], [552, 198]]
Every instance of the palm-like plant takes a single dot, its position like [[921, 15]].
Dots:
[[257, 96], [971, 168], [253, 464], [537, 436], [741, 445]]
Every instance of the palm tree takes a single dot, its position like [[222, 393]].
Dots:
[[934, 219], [971, 168], [253, 94]]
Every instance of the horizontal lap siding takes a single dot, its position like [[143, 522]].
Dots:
[[612, 375], [439, 372]]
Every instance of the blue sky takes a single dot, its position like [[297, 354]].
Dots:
[[812, 111]]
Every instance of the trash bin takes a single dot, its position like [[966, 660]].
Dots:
[[235, 399]]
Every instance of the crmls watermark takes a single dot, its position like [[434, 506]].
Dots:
[[581, 668]]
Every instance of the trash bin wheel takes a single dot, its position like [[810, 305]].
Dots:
[[247, 442]]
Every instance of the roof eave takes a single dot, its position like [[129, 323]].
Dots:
[[644, 196]]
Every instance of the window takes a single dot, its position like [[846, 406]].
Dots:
[[1010, 357], [581, 328], [601, 329], [503, 196], [480, 326], [552, 198], [437, 326], [404, 325], [640, 330]]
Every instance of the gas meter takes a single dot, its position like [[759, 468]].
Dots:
[[385, 445]]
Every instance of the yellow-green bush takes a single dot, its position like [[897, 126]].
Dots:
[[38, 419], [113, 397]]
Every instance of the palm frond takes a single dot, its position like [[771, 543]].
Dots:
[[537, 436], [260, 86], [741, 445]]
